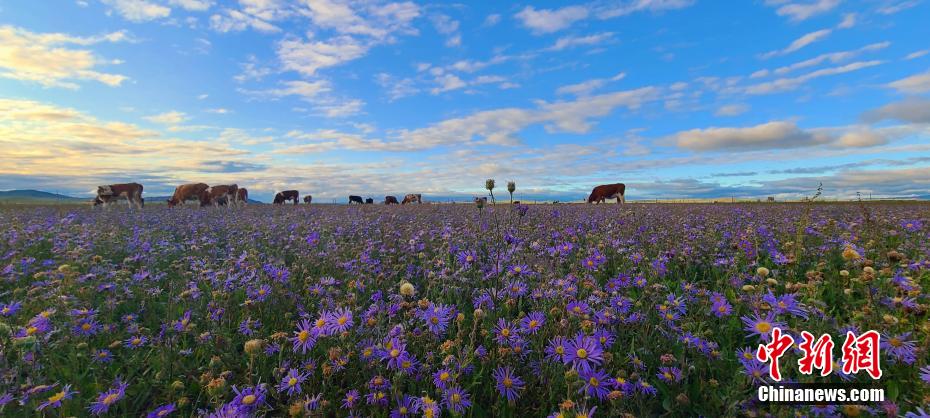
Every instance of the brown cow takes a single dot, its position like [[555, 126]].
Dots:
[[286, 195], [132, 192], [390, 200], [187, 192], [308, 199], [608, 191], [217, 195], [410, 198], [242, 196]]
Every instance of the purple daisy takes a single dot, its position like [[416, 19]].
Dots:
[[596, 384], [290, 383], [162, 411], [303, 338], [584, 353], [106, 399], [54, 401], [456, 399], [508, 384]]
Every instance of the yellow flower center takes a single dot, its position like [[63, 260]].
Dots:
[[469, 259], [534, 323], [56, 397], [593, 382], [31, 330], [444, 376], [763, 327], [895, 342], [505, 332], [582, 353], [342, 320], [248, 399], [110, 398], [456, 398], [85, 326], [507, 382], [395, 352], [292, 381], [517, 269], [559, 350], [303, 335]]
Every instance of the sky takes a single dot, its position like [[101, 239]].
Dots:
[[675, 98]]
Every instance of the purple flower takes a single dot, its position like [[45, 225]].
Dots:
[[436, 317], [669, 374], [10, 309], [467, 258], [508, 384], [136, 341], [456, 399], [86, 327], [248, 326], [532, 322], [925, 374], [505, 332], [106, 399], [249, 398], [557, 349], [596, 383], [339, 321], [303, 338], [54, 401], [162, 411], [405, 407], [584, 353], [900, 348], [290, 383], [760, 326], [351, 398], [442, 378]]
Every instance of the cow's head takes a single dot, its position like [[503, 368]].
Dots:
[[97, 201], [104, 191], [172, 202]]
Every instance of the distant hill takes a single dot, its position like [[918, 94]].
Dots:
[[36, 196]]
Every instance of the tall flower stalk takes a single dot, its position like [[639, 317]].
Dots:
[[511, 187], [489, 184]]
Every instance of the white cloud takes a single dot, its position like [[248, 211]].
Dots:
[[833, 57], [447, 82], [781, 135], [913, 110], [219, 111], [45, 58], [500, 125], [574, 41], [799, 43], [168, 118], [732, 109], [308, 57], [192, 5], [492, 19], [849, 20], [615, 9], [916, 54], [787, 84], [139, 10], [892, 7], [551, 20], [586, 87], [915, 84], [396, 88], [802, 11]]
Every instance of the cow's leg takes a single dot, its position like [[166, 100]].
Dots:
[[622, 199]]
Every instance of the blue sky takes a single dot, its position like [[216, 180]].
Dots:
[[676, 98]]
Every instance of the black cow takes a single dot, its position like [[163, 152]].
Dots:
[[369, 201], [390, 200], [285, 196], [355, 199]]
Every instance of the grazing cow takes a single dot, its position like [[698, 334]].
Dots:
[[286, 195], [481, 201], [356, 199], [242, 196], [132, 192], [219, 195], [608, 191], [308, 199], [410, 198], [390, 200], [369, 201], [187, 192]]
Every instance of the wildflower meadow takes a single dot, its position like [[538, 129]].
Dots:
[[453, 309]]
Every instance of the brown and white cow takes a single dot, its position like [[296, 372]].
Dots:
[[186, 192], [410, 198], [481, 201], [308, 199], [608, 191], [242, 196], [390, 200], [224, 194], [284, 196], [132, 192]]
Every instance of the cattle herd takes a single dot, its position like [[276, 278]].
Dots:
[[234, 196]]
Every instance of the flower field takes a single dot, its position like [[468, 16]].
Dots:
[[451, 310]]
